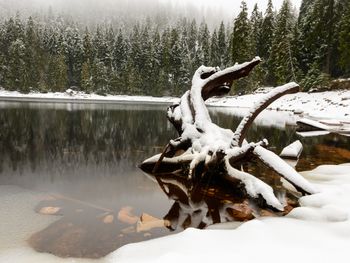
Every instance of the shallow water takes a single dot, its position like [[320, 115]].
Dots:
[[83, 159]]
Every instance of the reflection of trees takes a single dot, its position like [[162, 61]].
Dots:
[[68, 139], [57, 139]]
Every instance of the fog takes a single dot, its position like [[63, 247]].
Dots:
[[103, 10]]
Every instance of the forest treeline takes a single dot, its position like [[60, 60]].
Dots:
[[311, 46]]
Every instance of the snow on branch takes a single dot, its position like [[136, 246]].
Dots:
[[259, 107], [205, 148]]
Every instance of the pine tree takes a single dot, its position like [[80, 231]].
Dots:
[[175, 60], [156, 60], [282, 60], [32, 55], [56, 77], [266, 35], [74, 54], [214, 50], [241, 45], [344, 41], [16, 78], [317, 26], [222, 45], [241, 42], [203, 44], [256, 21], [86, 83], [192, 43]]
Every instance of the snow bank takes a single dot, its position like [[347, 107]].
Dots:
[[77, 96], [320, 105], [318, 231]]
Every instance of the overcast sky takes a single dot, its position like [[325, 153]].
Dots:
[[213, 11], [233, 5]]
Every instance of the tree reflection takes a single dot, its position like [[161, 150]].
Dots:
[[59, 139]]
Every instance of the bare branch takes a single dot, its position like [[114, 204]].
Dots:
[[259, 107], [274, 162], [219, 83]]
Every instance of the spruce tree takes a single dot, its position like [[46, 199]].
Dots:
[[241, 37], [344, 41], [16, 77], [204, 44], [317, 26], [32, 54], [282, 59], [74, 55], [256, 20], [56, 77], [222, 45], [214, 50], [241, 45]]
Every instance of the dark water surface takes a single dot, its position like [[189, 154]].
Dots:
[[84, 157]]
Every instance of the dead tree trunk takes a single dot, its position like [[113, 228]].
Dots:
[[202, 143]]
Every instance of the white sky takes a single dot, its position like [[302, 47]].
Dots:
[[232, 5]]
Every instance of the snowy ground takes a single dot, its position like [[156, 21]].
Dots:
[[318, 231], [322, 105], [81, 97]]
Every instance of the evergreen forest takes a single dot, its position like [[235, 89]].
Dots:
[[150, 57]]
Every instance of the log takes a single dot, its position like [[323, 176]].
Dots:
[[216, 81], [210, 149], [270, 97]]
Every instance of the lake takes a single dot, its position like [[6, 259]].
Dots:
[[80, 161]]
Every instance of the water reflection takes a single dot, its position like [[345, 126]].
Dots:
[[85, 157]]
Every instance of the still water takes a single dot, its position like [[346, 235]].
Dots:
[[83, 158]]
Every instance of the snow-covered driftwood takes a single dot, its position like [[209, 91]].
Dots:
[[203, 147], [331, 126], [292, 151]]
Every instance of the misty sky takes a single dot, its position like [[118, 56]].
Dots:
[[213, 11], [233, 5]]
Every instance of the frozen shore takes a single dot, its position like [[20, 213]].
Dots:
[[321, 105]]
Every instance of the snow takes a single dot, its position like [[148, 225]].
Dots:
[[259, 106], [314, 123], [293, 150], [322, 106], [312, 133], [254, 186], [283, 168], [78, 96], [318, 231]]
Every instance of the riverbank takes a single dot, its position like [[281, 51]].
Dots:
[[320, 105]]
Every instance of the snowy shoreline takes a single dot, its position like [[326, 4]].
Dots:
[[317, 231], [321, 105]]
